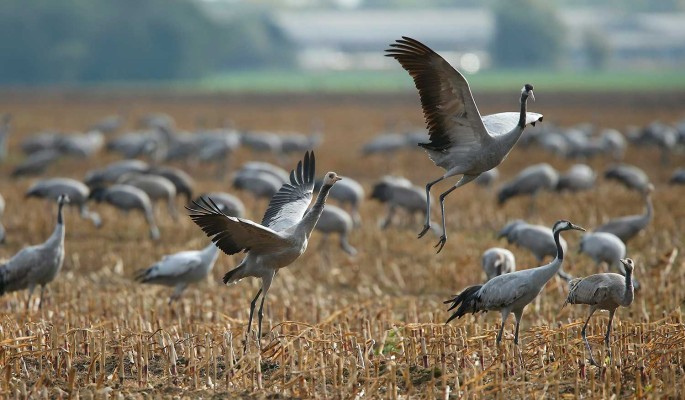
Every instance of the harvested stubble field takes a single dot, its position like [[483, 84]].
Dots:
[[338, 327]]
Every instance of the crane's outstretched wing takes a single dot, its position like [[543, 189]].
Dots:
[[288, 206], [451, 114], [501, 123], [232, 234]]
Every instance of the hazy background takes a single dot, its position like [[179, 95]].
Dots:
[[338, 44]]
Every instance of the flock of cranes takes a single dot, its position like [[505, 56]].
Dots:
[[460, 141]]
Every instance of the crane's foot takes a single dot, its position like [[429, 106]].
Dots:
[[426, 228], [441, 243]]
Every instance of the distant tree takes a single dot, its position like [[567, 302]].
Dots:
[[528, 33], [597, 49]]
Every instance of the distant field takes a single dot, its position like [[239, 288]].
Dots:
[[389, 81]]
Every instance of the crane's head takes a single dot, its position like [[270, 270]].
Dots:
[[63, 199], [527, 91], [563, 225], [330, 178], [628, 264]]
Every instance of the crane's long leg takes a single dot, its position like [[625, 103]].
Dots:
[[505, 315], [463, 181], [346, 246], [249, 320], [587, 344], [28, 299], [266, 283], [42, 292], [606, 337], [427, 224], [388, 219], [518, 315], [178, 290]]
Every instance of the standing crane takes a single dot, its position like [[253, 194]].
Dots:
[[461, 141], [511, 292], [629, 226], [497, 261], [602, 292], [36, 265]]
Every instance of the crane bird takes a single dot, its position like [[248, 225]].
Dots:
[[233, 206], [336, 220], [578, 177], [605, 291], [180, 269], [36, 265], [538, 239], [398, 192], [497, 261], [678, 177], [629, 226], [461, 141], [511, 292], [184, 183], [157, 188], [275, 243], [77, 191], [605, 247], [531, 180], [125, 198], [630, 176]]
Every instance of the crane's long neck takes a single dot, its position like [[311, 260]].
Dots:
[[628, 293], [545, 273], [312, 217], [58, 233], [522, 116]]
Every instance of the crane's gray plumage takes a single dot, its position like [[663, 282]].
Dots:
[[538, 239], [629, 226], [36, 163], [497, 261], [630, 176], [113, 171], [180, 269], [184, 183], [77, 191], [125, 198], [268, 168], [281, 237], [156, 187], [530, 181], [399, 193], [605, 247], [260, 184], [578, 177], [36, 265], [678, 177], [602, 292], [336, 220], [511, 292], [461, 141]]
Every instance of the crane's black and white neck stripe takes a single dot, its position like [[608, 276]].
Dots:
[[526, 92]]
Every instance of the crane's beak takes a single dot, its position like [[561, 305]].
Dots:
[[337, 178], [580, 228], [531, 95]]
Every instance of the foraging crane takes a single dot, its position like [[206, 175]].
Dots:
[[184, 183], [278, 241], [538, 239], [629, 226], [602, 292], [36, 265], [398, 192], [578, 177], [511, 292], [36, 163], [259, 183], [678, 177], [112, 172], [180, 269], [497, 261], [605, 247], [268, 168], [461, 141], [125, 198], [77, 192], [156, 187], [529, 181], [347, 191], [336, 220], [630, 176]]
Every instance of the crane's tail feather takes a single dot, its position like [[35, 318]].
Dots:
[[466, 300], [142, 275]]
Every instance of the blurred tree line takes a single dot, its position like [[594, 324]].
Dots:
[[48, 41]]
